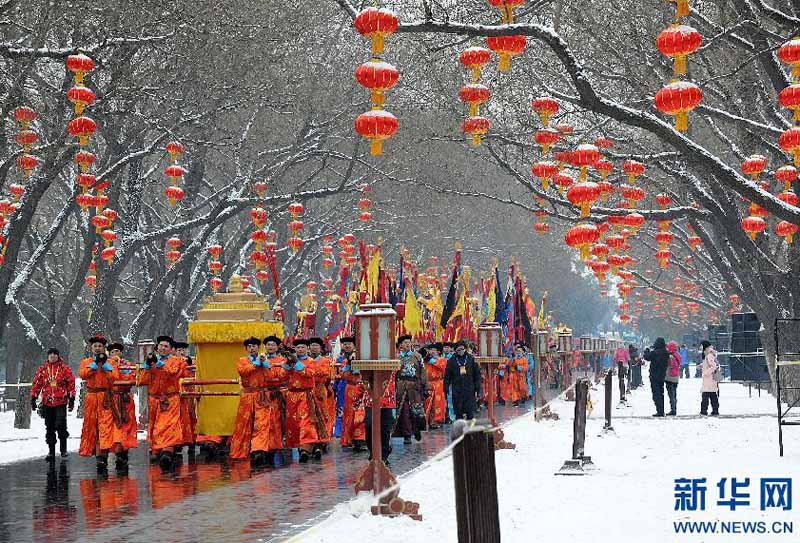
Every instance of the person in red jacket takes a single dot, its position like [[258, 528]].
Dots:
[[55, 382]]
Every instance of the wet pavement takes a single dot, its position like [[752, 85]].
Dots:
[[208, 502]]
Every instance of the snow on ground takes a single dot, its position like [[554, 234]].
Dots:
[[16, 444], [631, 495]]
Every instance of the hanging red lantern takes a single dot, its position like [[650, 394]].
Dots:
[[789, 197], [477, 127], [296, 226], [376, 125], [633, 169], [258, 258], [786, 230], [664, 200], [376, 24], [541, 228], [175, 149], [295, 244], [79, 65], [753, 226], [108, 254], [110, 214], [677, 99], [474, 94], [506, 8], [377, 76], [634, 221], [583, 195], [664, 239], [24, 116], [84, 200], [260, 188], [604, 168], [259, 216], [174, 243], [364, 204], [216, 283], [632, 194], [214, 250], [581, 237], [85, 181], [545, 171], [677, 42], [258, 237], [82, 128], [327, 263], [26, 138], [584, 157], [506, 47], [296, 209], [174, 194], [694, 242], [546, 138], [663, 256], [27, 163], [175, 172], [16, 191], [475, 58], [327, 250], [600, 268], [790, 142], [790, 99], [758, 211], [100, 201], [349, 238], [789, 53], [262, 275], [599, 251], [109, 236], [91, 282], [364, 216], [245, 283], [754, 165], [545, 108], [215, 266], [80, 97], [562, 182], [100, 222], [84, 159], [786, 175]]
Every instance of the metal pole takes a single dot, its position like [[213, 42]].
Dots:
[[778, 386], [579, 424], [376, 432], [608, 386]]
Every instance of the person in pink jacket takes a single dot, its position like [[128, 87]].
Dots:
[[710, 384]]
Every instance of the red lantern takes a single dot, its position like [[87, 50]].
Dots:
[[327, 250], [175, 172], [258, 237], [632, 194], [175, 148], [604, 168], [664, 200], [376, 24], [475, 58], [84, 159], [584, 156], [634, 221], [330, 305], [506, 7], [786, 230], [677, 99], [109, 236], [174, 194], [216, 283], [694, 242], [27, 163], [214, 250], [754, 165], [546, 138], [349, 238], [633, 169], [259, 216], [790, 99], [351, 259], [295, 244], [296, 209], [476, 127], [599, 268], [677, 42], [327, 263], [377, 76], [581, 237], [545, 171], [262, 275], [174, 243], [604, 143], [758, 211], [753, 226], [541, 228], [80, 97], [100, 201], [86, 181], [16, 191], [364, 216], [26, 138], [91, 281], [24, 116], [260, 188], [110, 214], [545, 108], [789, 197], [245, 283], [663, 256], [790, 142], [82, 128], [80, 65], [296, 226], [562, 181], [364, 204], [108, 254], [173, 256], [599, 250], [376, 125], [786, 175], [789, 53], [215, 266], [506, 47], [664, 239], [474, 95], [583, 195], [100, 222], [258, 258], [84, 200]]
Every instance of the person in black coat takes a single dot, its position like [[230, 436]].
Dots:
[[464, 375], [658, 357]]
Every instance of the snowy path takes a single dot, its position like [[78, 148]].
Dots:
[[630, 498]]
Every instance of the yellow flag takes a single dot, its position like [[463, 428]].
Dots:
[[413, 320], [492, 304], [373, 270]]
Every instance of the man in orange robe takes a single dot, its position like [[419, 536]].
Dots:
[[123, 409], [521, 373], [353, 431], [323, 392], [304, 419], [161, 372], [436, 402], [508, 392], [99, 373], [188, 407], [257, 430]]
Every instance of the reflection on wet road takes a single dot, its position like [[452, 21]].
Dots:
[[202, 502]]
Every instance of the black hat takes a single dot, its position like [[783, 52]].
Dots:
[[317, 340], [180, 345], [348, 339], [402, 338], [252, 341], [705, 344], [519, 345], [433, 346], [461, 344], [447, 344], [97, 339], [168, 339], [53, 351], [301, 342], [118, 346], [274, 339]]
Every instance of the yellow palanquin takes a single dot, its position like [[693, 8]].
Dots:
[[222, 323]]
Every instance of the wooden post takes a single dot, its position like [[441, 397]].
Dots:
[[579, 424], [608, 386], [475, 476]]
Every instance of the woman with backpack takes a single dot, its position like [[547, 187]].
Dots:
[[673, 376], [709, 367]]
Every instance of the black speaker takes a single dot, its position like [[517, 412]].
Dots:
[[721, 342], [745, 342], [748, 368], [745, 322]]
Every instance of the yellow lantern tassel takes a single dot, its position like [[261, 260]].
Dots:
[[78, 108], [79, 79], [796, 116], [682, 121], [376, 147], [545, 183], [546, 150], [473, 109], [584, 252], [83, 140], [505, 62], [584, 173], [377, 99], [752, 235], [476, 140], [172, 201], [787, 185], [683, 8], [796, 153], [585, 209], [377, 43], [796, 72], [476, 74], [789, 239], [680, 65], [545, 116]]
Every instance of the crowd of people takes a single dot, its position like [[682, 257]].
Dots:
[[293, 396]]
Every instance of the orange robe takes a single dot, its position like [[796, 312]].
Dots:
[[353, 413], [323, 372], [258, 419], [304, 418], [164, 404], [436, 403], [188, 414], [508, 392], [521, 377], [98, 432], [125, 428]]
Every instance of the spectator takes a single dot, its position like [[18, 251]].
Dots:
[[658, 357], [621, 359], [684, 352], [709, 367], [673, 376], [636, 366], [55, 382]]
